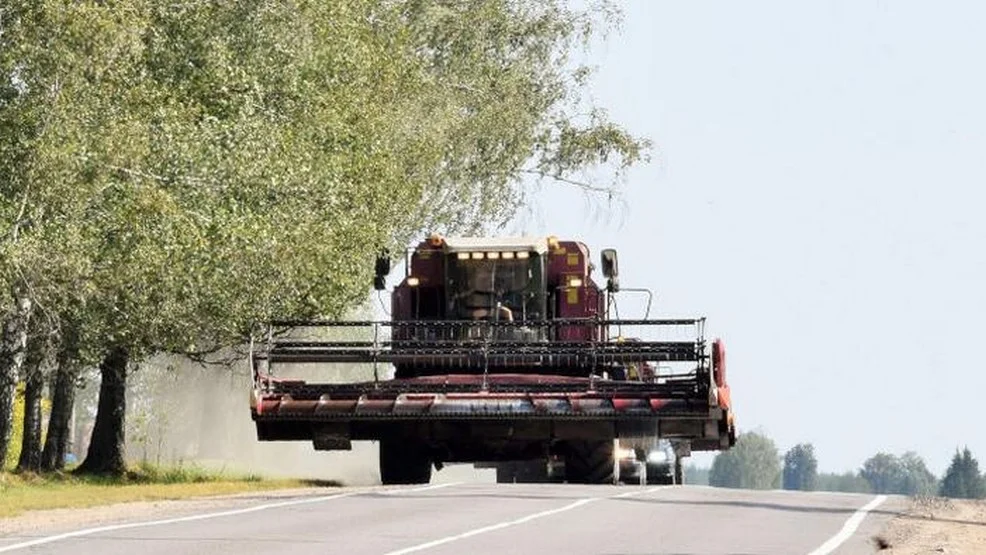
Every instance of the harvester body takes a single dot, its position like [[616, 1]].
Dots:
[[501, 350]]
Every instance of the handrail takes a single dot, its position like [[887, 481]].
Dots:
[[490, 323], [470, 345]]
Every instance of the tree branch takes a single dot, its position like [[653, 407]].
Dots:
[[580, 184]]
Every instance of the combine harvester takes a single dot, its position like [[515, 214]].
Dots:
[[504, 351]]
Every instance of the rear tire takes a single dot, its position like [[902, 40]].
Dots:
[[532, 472], [589, 462], [522, 472], [404, 461], [505, 472]]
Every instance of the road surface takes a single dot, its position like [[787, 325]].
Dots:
[[488, 518]]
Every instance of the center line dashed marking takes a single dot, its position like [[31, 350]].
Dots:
[[516, 521], [190, 518]]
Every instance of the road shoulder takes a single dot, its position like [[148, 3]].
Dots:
[[58, 520], [937, 525]]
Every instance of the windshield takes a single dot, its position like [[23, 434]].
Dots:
[[499, 289]]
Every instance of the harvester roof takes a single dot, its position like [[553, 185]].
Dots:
[[460, 244]]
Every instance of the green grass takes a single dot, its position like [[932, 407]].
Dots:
[[145, 482], [183, 474]]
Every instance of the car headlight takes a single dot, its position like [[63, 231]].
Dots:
[[657, 457], [622, 453]]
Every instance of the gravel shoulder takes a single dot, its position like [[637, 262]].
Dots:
[[934, 525]]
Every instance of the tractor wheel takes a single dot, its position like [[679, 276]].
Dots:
[[589, 462], [522, 472], [505, 472], [532, 472], [404, 462]]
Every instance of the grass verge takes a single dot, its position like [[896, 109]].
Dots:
[[31, 492]]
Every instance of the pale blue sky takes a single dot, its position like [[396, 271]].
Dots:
[[817, 192]]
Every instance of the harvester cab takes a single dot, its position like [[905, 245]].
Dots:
[[502, 350]]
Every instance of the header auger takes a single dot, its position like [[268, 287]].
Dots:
[[501, 351]]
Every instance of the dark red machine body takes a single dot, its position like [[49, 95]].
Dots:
[[502, 350]]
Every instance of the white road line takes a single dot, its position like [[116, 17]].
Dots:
[[414, 490], [491, 528], [190, 518], [849, 528], [521, 520], [639, 492], [206, 516]]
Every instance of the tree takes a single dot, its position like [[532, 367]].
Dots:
[[918, 480], [13, 342], [962, 479], [696, 475], [903, 475], [189, 170], [727, 470], [34, 369], [800, 468], [848, 482], [883, 472], [753, 463], [63, 388]]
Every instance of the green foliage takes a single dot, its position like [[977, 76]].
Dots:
[[848, 482], [753, 463], [696, 475], [962, 479], [173, 173], [883, 472], [800, 468], [918, 480], [904, 475], [176, 172], [147, 473]]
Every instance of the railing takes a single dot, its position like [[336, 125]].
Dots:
[[481, 345]]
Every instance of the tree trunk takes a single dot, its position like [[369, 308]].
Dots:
[[62, 403], [37, 353], [13, 341], [106, 448]]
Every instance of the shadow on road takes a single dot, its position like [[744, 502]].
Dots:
[[560, 496]]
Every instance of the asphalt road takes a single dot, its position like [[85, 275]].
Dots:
[[489, 518]]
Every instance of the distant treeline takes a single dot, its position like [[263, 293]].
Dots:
[[756, 463]]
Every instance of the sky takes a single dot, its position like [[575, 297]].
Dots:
[[816, 191]]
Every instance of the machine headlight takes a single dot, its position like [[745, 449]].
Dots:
[[657, 457]]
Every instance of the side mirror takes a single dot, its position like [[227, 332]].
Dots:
[[610, 266], [379, 283], [611, 270], [382, 269]]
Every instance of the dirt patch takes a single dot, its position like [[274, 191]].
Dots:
[[934, 525]]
